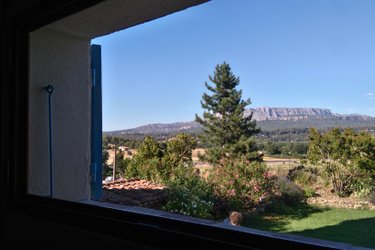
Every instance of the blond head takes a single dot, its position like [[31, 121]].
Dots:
[[235, 218]]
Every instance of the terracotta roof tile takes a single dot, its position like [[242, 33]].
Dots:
[[135, 192]]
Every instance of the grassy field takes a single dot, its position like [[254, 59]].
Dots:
[[277, 166], [352, 226]]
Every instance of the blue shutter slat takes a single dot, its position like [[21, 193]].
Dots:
[[96, 123]]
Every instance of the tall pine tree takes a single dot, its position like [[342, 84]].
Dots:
[[227, 131]]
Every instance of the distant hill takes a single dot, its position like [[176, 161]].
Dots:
[[160, 128], [268, 119]]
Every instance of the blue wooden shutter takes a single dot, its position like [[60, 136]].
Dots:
[[96, 123]]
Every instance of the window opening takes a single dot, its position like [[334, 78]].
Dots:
[[150, 160]]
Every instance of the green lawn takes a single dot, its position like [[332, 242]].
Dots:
[[352, 226]]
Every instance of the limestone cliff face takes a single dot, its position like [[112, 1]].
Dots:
[[283, 114]]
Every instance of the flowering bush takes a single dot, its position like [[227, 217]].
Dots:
[[188, 203], [189, 194], [241, 186]]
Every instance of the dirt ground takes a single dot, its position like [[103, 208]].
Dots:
[[326, 197]]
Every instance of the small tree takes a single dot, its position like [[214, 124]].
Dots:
[[227, 131], [147, 162], [157, 163], [149, 149], [106, 170], [179, 149], [122, 165]]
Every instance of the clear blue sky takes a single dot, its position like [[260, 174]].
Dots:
[[300, 53]]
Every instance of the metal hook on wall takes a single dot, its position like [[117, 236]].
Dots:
[[49, 89]]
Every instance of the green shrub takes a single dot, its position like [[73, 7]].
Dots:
[[371, 197], [186, 202], [305, 178], [288, 192], [303, 175], [157, 162], [189, 194], [362, 187], [148, 170], [309, 192], [348, 158], [122, 166]]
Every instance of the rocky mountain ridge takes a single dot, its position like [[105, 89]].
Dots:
[[283, 114], [266, 117]]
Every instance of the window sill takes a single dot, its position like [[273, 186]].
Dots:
[[304, 242]]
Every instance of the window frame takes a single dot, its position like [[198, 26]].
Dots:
[[134, 224]]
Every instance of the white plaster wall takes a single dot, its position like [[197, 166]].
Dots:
[[61, 60]]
